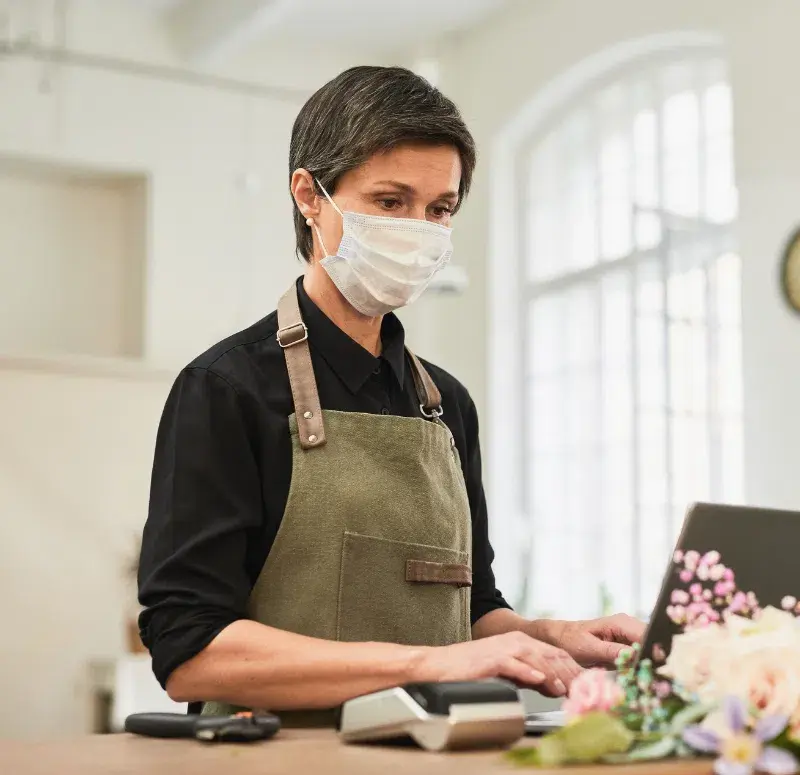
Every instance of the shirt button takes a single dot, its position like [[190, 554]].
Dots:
[[377, 370], [384, 410]]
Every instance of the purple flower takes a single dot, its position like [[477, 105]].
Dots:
[[742, 752]]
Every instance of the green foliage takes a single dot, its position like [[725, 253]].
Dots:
[[588, 739]]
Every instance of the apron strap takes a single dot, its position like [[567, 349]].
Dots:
[[429, 396], [293, 339]]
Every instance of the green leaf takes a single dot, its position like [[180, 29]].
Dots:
[[786, 743], [659, 749], [588, 739], [689, 715], [553, 752], [673, 705], [595, 735], [633, 721], [525, 757]]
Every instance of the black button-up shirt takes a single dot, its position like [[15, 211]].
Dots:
[[223, 465]]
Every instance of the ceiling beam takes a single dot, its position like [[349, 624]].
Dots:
[[208, 31]]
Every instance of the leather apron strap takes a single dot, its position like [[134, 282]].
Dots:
[[429, 396], [293, 338]]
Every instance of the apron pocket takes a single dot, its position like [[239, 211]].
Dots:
[[398, 592]]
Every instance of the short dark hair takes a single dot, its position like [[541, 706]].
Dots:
[[366, 110]]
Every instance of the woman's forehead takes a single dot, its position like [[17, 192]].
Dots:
[[435, 167]]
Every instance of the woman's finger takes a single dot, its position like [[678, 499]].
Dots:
[[522, 673]]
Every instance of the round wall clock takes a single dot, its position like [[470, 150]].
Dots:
[[790, 272]]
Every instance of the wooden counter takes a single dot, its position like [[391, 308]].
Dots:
[[292, 752]]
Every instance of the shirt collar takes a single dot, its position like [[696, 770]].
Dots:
[[351, 362]]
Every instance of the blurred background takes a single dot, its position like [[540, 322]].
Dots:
[[614, 304]]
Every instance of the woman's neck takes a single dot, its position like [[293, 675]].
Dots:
[[360, 328]]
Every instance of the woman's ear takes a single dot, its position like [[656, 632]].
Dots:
[[305, 194]]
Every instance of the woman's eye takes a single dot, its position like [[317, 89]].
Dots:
[[389, 204], [442, 212]]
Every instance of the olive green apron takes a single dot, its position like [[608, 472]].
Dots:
[[375, 541]]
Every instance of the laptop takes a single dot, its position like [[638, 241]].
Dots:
[[759, 545]]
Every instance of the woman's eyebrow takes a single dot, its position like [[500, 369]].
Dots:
[[396, 184], [411, 190]]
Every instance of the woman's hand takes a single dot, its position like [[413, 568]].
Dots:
[[597, 642], [514, 656]]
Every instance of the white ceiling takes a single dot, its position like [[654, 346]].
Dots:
[[211, 28]]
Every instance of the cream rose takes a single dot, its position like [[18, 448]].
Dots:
[[766, 680], [755, 660], [692, 659]]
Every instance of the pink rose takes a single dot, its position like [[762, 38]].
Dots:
[[593, 690]]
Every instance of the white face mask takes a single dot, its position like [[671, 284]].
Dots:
[[385, 263]]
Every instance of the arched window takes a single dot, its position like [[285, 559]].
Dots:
[[629, 329]]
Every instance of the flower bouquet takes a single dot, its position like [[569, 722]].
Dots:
[[730, 687]]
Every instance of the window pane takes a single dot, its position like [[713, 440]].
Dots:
[[650, 287], [545, 247], [580, 324], [717, 111], [720, 188], [651, 362], [618, 518], [732, 458], [681, 192], [648, 230], [615, 196], [729, 377], [652, 464], [547, 417], [579, 181], [655, 539], [680, 125], [616, 321], [546, 326], [680, 137], [645, 153], [687, 296], [581, 223], [547, 482], [726, 279]]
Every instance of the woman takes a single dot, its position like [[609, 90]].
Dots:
[[317, 525]]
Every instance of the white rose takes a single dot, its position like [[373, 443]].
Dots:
[[766, 680], [692, 657], [760, 663], [773, 629]]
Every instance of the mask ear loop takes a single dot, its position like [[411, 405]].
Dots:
[[328, 197], [312, 222]]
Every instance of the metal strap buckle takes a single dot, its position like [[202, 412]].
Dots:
[[434, 413], [284, 343]]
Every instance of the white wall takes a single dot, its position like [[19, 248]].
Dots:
[[494, 73]]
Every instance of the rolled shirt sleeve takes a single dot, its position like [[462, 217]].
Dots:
[[205, 502]]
